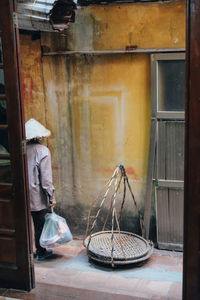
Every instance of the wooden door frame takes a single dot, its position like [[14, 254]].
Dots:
[[22, 276], [191, 261]]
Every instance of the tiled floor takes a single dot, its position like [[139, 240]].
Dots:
[[69, 275]]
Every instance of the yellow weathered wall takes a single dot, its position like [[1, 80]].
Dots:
[[32, 78], [148, 25], [98, 106]]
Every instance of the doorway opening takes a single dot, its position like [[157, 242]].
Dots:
[[15, 239]]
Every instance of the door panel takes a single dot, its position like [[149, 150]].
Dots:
[[8, 251], [16, 259], [170, 162], [175, 150], [169, 206], [168, 80], [6, 221]]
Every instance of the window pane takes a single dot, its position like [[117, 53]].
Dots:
[[2, 85], [4, 141], [1, 53], [5, 169], [3, 114], [171, 83]]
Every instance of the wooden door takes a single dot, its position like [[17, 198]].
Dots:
[[16, 258], [166, 156], [168, 86]]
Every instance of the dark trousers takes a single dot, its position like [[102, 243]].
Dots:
[[38, 221]]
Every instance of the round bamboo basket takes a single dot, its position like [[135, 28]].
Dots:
[[128, 248]]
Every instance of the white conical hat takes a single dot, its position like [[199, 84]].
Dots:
[[35, 130]]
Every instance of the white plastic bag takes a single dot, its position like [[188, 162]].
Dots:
[[55, 231]]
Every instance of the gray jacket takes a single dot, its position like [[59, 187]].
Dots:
[[41, 188]]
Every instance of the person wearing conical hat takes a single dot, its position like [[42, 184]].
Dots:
[[41, 187]]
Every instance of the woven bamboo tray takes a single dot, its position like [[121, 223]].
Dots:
[[128, 247]]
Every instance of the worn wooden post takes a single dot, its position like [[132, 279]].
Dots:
[[191, 271]]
